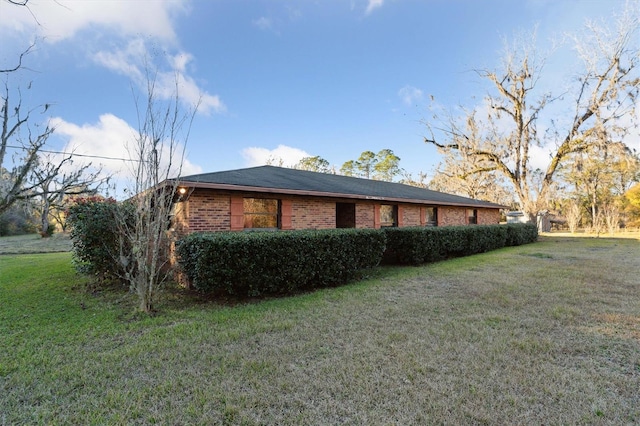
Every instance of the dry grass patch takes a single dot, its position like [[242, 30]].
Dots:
[[34, 243], [544, 333]]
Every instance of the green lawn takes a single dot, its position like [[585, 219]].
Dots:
[[547, 333]]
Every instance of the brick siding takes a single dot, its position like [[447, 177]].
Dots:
[[313, 214], [208, 210], [488, 216], [365, 214], [410, 215], [449, 216]]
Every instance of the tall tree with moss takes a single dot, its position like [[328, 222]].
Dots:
[[603, 99]]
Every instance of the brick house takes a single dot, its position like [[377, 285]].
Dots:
[[269, 197]]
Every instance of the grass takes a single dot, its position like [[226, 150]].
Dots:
[[544, 333], [34, 243]]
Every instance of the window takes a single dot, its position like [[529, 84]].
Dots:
[[388, 215], [261, 213], [345, 215], [431, 217], [472, 216]]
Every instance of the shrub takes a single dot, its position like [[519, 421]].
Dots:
[[521, 233], [259, 263], [94, 230], [418, 245], [414, 246]]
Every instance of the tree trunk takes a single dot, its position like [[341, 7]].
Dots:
[[44, 220]]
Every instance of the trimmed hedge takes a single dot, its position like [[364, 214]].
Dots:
[[260, 263], [415, 246]]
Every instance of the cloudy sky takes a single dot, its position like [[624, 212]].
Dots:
[[275, 78]]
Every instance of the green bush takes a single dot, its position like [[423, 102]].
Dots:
[[418, 245], [93, 230], [414, 246], [259, 263], [521, 233]]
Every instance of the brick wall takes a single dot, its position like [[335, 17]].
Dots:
[[488, 216], [313, 214], [365, 215], [208, 211], [211, 211], [449, 216], [410, 215]]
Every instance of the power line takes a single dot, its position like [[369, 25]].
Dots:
[[72, 154]]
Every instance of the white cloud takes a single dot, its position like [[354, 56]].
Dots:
[[410, 94], [113, 139], [125, 61], [96, 23], [180, 61], [63, 19], [188, 91], [287, 155], [131, 61], [263, 23], [373, 5]]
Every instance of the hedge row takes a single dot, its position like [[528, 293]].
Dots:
[[259, 263], [415, 246]]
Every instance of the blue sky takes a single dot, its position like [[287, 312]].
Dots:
[[280, 79]]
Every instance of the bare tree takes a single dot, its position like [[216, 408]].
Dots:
[[420, 181], [460, 174], [24, 140], [605, 94], [163, 130], [573, 215], [19, 62], [53, 181], [611, 215]]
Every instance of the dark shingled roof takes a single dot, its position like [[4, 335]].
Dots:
[[278, 180]]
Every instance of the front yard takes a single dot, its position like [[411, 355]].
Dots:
[[536, 334]]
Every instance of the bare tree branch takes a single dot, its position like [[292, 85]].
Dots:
[[503, 137], [20, 58]]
